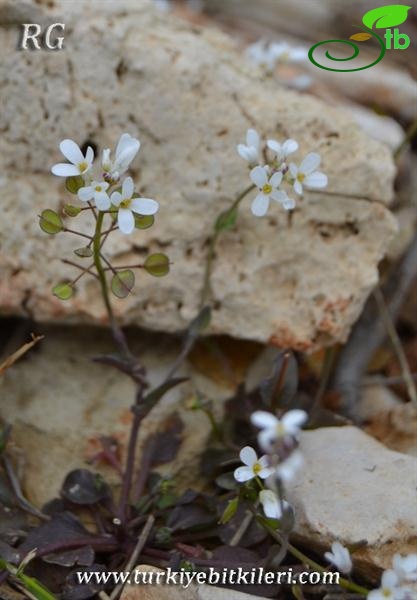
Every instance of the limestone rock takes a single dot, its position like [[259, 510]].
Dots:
[[60, 403], [190, 97], [355, 489]]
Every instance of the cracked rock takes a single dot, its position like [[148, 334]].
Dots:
[[190, 97]]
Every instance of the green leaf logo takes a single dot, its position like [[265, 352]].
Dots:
[[386, 16]]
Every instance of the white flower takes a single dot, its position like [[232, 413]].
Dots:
[[405, 567], [340, 557], [307, 175], [96, 191], [282, 150], [128, 205], [260, 54], [389, 587], [283, 52], [250, 151], [126, 150], [274, 429], [268, 188], [254, 467], [271, 504], [287, 470], [80, 164]]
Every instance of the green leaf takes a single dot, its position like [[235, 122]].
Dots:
[[122, 283], [230, 511], [83, 252], [386, 16], [72, 211], [226, 220], [63, 291], [157, 264], [73, 184], [143, 221], [200, 322], [50, 222]]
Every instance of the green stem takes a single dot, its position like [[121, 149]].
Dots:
[[344, 583], [212, 244], [97, 245]]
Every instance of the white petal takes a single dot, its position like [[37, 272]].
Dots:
[[293, 419], [102, 200], [288, 203], [252, 138], [389, 579], [298, 54], [264, 420], [124, 159], [243, 474], [248, 456], [264, 461], [276, 179], [266, 439], [89, 155], [278, 196], [293, 170], [289, 147], [288, 469], [125, 220], [258, 176], [126, 142], [270, 504], [310, 163], [127, 188], [116, 198], [265, 473], [86, 193], [71, 151], [65, 170], [298, 188], [244, 152], [375, 595], [316, 180], [105, 159], [274, 146], [260, 205], [144, 206]]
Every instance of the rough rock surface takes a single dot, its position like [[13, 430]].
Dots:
[[355, 489], [60, 404], [190, 98]]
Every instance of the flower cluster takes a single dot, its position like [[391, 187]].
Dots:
[[268, 55], [96, 190], [270, 177], [395, 582], [278, 439]]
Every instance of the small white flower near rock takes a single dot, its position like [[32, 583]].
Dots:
[[288, 469], [96, 191], [126, 150], [78, 163], [268, 190], [250, 151], [307, 175], [405, 567], [389, 589], [259, 54], [254, 467], [284, 53], [281, 151], [339, 557], [274, 429], [128, 205], [271, 504]]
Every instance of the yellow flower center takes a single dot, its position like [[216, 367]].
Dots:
[[82, 166], [98, 188], [301, 177], [125, 203], [267, 189], [257, 468], [386, 593], [280, 429]]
